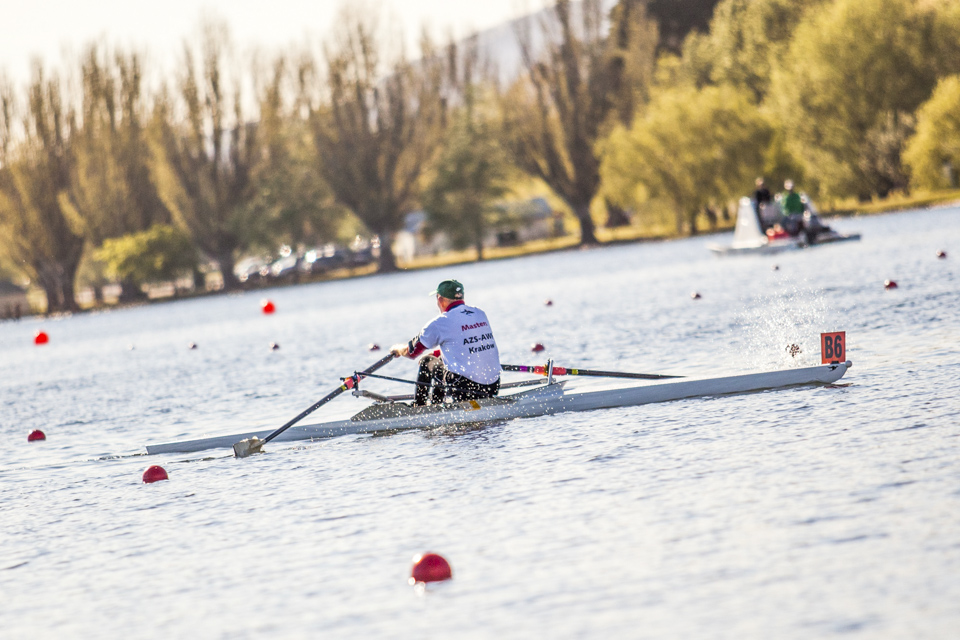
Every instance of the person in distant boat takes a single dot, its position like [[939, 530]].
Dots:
[[469, 364], [761, 199], [792, 207]]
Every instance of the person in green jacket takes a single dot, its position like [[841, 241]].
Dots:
[[790, 201]]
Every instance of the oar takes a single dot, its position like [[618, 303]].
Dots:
[[562, 371], [249, 446]]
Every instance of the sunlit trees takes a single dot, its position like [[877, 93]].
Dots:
[[691, 147], [377, 127], [205, 163], [933, 153], [746, 40], [555, 114], [161, 253], [291, 202], [35, 170], [854, 73]]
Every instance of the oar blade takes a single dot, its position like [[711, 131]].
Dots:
[[248, 447]]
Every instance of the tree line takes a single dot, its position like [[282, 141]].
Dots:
[[612, 111]]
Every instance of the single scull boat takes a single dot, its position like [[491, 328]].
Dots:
[[547, 399]]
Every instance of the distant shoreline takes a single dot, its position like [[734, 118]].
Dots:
[[608, 237]]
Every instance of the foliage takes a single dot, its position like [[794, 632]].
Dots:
[[933, 153], [376, 131], [693, 147], [745, 40], [469, 174], [111, 191], [160, 253], [852, 73], [291, 203], [34, 186], [204, 167], [555, 114]]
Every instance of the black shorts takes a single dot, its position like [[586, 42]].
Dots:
[[435, 382]]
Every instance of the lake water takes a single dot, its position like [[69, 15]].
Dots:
[[807, 512]]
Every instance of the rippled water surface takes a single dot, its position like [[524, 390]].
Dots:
[[800, 513]]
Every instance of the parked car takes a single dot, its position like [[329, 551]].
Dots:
[[252, 269], [324, 259]]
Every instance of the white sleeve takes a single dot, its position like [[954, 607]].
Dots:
[[430, 335]]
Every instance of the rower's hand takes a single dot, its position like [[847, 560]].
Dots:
[[400, 350]]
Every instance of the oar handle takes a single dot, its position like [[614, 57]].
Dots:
[[563, 371], [348, 383]]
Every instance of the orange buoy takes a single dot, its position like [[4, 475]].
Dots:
[[41, 337], [537, 347], [154, 474], [430, 567], [695, 295], [373, 346], [889, 284], [267, 306], [36, 435], [941, 254]]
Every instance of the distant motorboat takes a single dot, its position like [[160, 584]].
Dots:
[[749, 238]]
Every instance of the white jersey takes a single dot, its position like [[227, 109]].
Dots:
[[466, 341]]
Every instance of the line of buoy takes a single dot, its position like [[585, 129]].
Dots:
[[537, 347], [889, 284], [41, 337], [36, 435], [267, 306]]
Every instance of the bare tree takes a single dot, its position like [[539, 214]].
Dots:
[[204, 172], [590, 70], [34, 186], [112, 193], [377, 129]]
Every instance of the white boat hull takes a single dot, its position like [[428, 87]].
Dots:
[[537, 402], [748, 239]]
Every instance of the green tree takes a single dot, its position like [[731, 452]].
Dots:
[[854, 71], [933, 153], [555, 114], [691, 147], [470, 173], [35, 182], [745, 40], [291, 203], [161, 253], [377, 128], [112, 193], [204, 167]]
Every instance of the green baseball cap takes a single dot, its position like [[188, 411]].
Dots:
[[450, 289]]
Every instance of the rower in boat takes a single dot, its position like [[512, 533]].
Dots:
[[469, 364]]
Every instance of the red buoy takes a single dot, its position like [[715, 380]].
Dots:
[[889, 284], [267, 306], [41, 337], [274, 346], [192, 345], [373, 346], [430, 567], [695, 295], [548, 302], [154, 474], [941, 254], [35, 435], [537, 347]]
